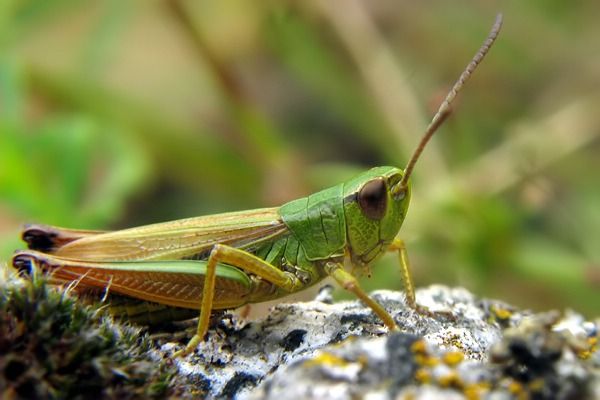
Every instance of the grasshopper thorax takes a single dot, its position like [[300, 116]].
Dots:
[[374, 208]]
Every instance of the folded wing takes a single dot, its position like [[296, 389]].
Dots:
[[180, 239]]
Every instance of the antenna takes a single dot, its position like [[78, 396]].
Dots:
[[445, 108]]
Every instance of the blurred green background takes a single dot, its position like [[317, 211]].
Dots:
[[118, 114]]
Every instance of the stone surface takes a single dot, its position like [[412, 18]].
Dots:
[[467, 348]]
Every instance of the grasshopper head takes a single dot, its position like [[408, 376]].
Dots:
[[375, 206]]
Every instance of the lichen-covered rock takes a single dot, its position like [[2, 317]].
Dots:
[[467, 348], [536, 363]]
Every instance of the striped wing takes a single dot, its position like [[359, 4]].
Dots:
[[175, 283], [186, 238]]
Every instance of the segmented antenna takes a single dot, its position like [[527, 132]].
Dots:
[[445, 108]]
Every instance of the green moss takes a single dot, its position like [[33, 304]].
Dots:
[[53, 346]]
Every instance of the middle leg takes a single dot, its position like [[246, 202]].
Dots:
[[248, 263]]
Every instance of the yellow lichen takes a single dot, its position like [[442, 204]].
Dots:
[[423, 375], [474, 391], [419, 347], [451, 379], [326, 359], [515, 388], [453, 358], [501, 314], [426, 361], [592, 344]]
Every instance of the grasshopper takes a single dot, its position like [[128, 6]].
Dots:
[[224, 261]]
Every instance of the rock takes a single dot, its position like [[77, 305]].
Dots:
[[468, 348]]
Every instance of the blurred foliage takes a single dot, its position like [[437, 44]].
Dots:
[[117, 114]]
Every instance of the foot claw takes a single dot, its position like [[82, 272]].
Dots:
[[425, 311], [191, 346], [179, 353]]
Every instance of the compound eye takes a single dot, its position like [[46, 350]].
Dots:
[[372, 199]]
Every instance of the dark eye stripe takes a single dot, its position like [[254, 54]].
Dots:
[[372, 199]]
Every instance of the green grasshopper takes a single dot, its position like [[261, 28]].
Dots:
[[224, 261]]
